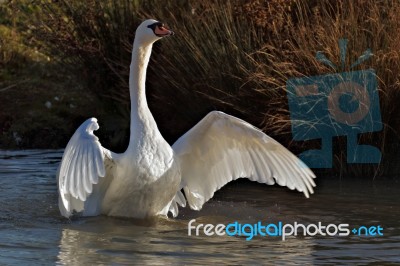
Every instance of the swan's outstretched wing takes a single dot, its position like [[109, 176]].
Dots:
[[222, 148], [83, 163]]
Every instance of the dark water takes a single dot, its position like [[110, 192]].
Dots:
[[33, 233]]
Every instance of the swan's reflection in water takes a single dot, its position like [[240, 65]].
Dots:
[[107, 241]]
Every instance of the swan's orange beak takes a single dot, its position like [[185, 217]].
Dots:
[[162, 30]]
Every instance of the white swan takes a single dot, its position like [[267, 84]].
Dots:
[[146, 180]]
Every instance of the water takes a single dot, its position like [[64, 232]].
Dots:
[[33, 233]]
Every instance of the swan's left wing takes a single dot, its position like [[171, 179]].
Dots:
[[222, 148], [84, 165]]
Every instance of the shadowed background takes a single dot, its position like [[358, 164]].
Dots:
[[64, 61]]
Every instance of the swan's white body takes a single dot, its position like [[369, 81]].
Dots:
[[147, 179]]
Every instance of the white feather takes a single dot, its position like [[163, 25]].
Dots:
[[81, 166], [230, 148]]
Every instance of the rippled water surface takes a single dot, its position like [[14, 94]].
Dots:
[[32, 231]]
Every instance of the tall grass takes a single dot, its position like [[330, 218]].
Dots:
[[234, 56], [242, 53]]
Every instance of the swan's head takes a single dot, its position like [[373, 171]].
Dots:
[[152, 30]]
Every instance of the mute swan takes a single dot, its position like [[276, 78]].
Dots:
[[146, 180]]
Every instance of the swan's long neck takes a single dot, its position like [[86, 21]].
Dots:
[[142, 121]]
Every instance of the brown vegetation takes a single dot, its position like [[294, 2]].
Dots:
[[234, 56]]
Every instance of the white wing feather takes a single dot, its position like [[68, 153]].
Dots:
[[83, 163], [222, 148]]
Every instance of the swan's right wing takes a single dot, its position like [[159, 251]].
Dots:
[[222, 148], [84, 162]]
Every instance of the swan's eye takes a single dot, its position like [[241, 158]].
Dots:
[[160, 29], [156, 25], [161, 26]]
